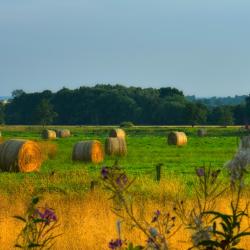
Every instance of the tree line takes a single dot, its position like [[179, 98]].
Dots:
[[114, 104]]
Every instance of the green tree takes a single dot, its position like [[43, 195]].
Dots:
[[247, 100], [45, 113], [2, 115], [222, 115], [195, 113], [17, 93]]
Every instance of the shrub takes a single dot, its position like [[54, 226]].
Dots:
[[127, 125]]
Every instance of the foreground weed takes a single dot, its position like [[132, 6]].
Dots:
[[208, 189], [39, 228], [158, 231]]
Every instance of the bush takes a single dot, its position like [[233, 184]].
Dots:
[[127, 125]]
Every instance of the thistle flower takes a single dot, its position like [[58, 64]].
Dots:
[[238, 165], [245, 142], [115, 244], [105, 173], [200, 172], [122, 180], [157, 213], [153, 232], [48, 215], [201, 233]]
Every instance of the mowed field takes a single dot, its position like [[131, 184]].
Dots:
[[86, 219]]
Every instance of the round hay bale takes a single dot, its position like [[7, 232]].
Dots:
[[118, 132], [63, 133], [48, 134], [88, 151], [201, 132], [20, 156], [177, 138], [115, 146]]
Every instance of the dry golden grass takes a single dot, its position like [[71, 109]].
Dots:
[[87, 222], [48, 149]]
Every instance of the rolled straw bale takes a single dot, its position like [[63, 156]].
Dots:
[[62, 133], [88, 151], [177, 138], [20, 156], [115, 146], [201, 132], [48, 134], [117, 133]]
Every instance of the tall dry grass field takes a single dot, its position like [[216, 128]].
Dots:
[[88, 223]]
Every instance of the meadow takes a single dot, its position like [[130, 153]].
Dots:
[[85, 213]]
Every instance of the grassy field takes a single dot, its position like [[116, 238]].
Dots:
[[147, 147], [85, 215]]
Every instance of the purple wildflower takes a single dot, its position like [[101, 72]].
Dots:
[[115, 244], [157, 213], [48, 215], [105, 173], [122, 180], [200, 172]]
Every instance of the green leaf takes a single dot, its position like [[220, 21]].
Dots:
[[31, 245], [37, 220], [209, 243], [18, 246], [19, 218], [241, 235], [35, 200]]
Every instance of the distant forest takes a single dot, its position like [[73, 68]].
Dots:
[[114, 104]]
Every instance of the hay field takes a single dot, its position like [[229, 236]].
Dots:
[[147, 147], [85, 215]]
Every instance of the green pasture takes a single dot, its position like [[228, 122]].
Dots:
[[147, 147]]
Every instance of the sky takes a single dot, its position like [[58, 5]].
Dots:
[[201, 47]]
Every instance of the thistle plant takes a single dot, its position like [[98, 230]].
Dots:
[[208, 188], [158, 230], [224, 230], [227, 229], [39, 228]]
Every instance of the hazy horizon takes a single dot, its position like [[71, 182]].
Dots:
[[201, 48]]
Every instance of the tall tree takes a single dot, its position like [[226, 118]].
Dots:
[[195, 113], [45, 113], [17, 93], [247, 109], [2, 113], [222, 115]]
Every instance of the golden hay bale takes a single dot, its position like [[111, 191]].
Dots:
[[62, 133], [201, 132], [48, 149], [177, 138], [117, 133], [20, 156], [91, 151], [115, 146], [48, 134]]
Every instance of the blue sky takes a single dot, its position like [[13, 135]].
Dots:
[[201, 47]]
